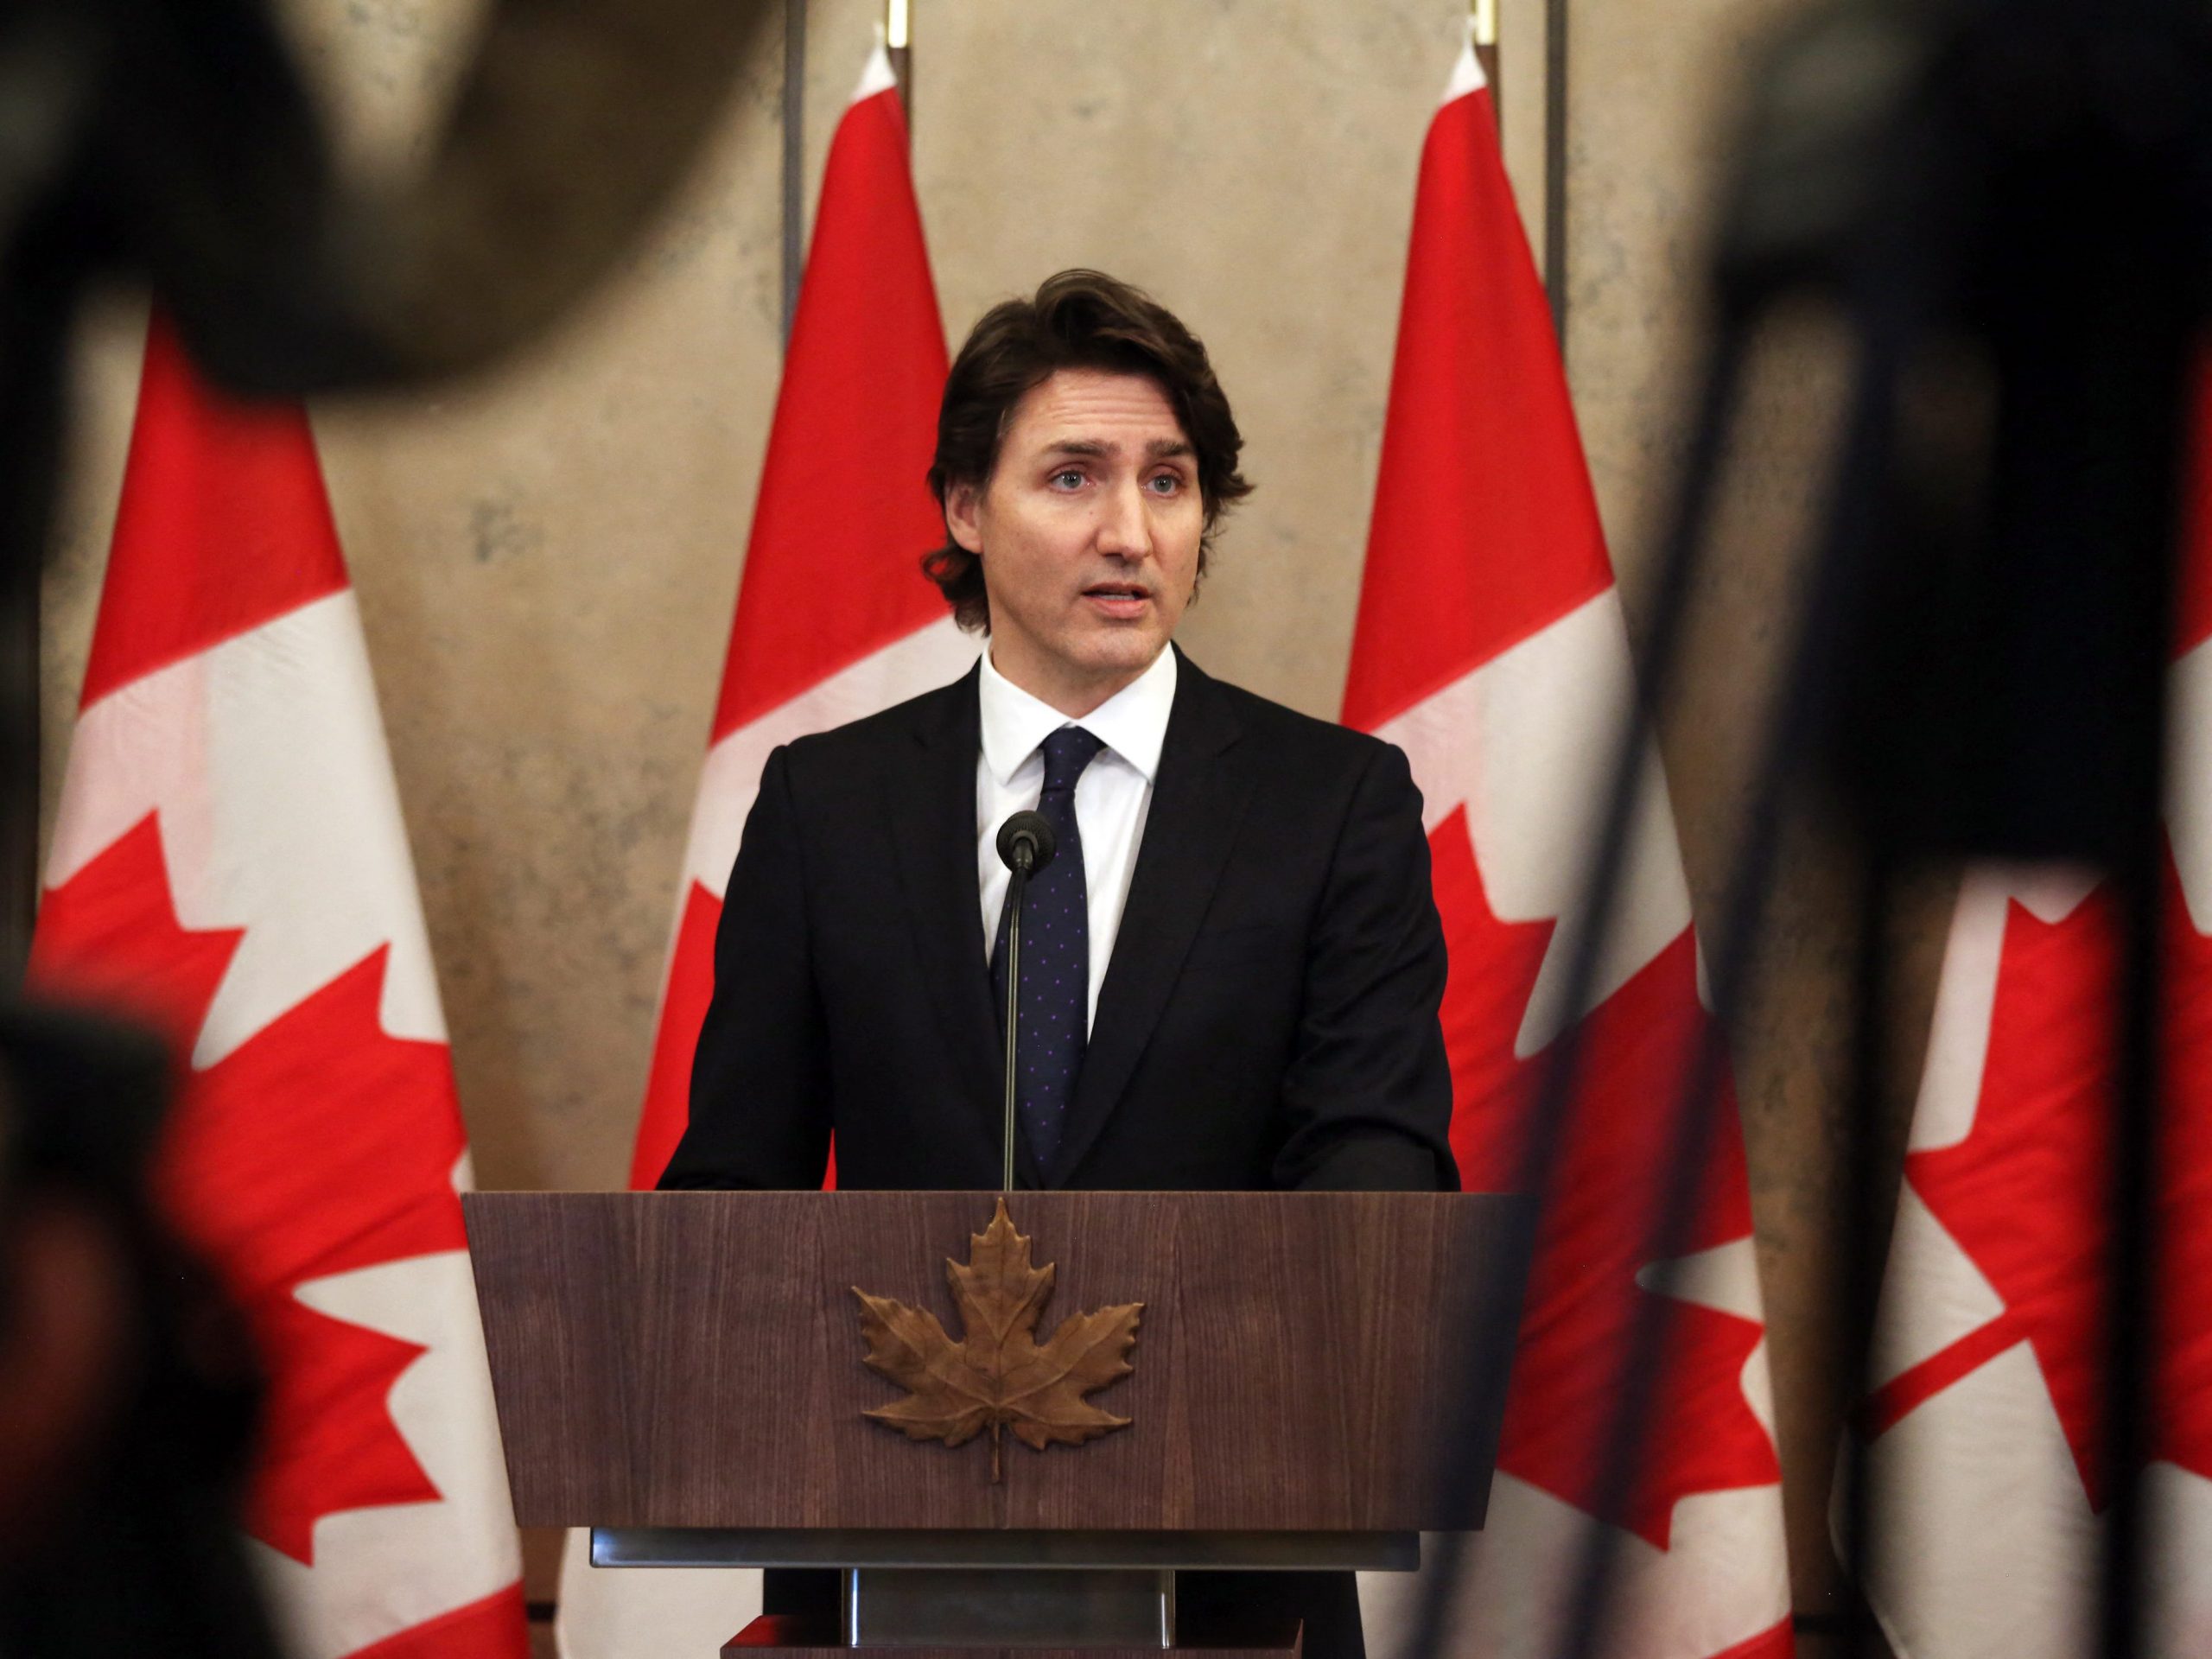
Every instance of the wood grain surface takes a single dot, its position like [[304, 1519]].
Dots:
[[693, 1359]]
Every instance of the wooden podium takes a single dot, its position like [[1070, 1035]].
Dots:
[[683, 1373]]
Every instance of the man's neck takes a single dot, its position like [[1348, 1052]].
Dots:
[[1073, 699]]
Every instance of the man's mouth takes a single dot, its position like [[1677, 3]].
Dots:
[[1118, 599]]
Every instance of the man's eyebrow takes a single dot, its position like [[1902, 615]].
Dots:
[[1158, 449]]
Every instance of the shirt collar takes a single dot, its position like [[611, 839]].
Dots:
[[1132, 722]]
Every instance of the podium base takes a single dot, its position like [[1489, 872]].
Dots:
[[786, 1636]]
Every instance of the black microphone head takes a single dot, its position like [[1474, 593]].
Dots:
[[1025, 842]]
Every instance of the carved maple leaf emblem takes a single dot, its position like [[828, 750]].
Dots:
[[999, 1377]]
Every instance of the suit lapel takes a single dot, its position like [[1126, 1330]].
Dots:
[[1197, 802], [929, 800]]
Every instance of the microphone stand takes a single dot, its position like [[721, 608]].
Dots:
[[1026, 844], [1021, 861]]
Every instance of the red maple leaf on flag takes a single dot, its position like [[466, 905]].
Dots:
[[1583, 1296], [2024, 1193], [318, 1145]]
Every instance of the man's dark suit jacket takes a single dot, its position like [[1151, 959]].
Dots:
[[1268, 1019]]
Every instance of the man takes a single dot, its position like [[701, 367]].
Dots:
[[1258, 953], [1231, 967]]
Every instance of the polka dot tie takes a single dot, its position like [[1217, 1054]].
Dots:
[[1055, 996]]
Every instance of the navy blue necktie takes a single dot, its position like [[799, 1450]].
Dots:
[[1055, 996]]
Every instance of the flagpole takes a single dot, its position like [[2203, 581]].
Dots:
[[794, 157], [1555, 165], [1482, 20], [898, 43]]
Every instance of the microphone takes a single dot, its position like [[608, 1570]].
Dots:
[[1027, 844]]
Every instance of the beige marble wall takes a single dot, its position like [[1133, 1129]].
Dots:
[[547, 558]]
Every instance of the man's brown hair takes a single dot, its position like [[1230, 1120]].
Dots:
[[1078, 319]]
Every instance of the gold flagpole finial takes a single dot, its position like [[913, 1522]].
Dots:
[[896, 25], [1484, 16]]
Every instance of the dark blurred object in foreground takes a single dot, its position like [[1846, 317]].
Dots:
[[2007, 206], [127, 1382], [176, 147], [2011, 203], [179, 146]]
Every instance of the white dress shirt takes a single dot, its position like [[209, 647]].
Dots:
[[1112, 798]]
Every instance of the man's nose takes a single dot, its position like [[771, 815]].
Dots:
[[1125, 528]]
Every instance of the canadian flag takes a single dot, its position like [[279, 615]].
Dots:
[[835, 620], [229, 863], [1491, 646], [1982, 1429]]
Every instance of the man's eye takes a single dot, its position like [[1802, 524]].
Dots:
[[1066, 479], [1164, 484]]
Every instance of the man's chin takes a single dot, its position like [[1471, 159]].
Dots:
[[1089, 662], [1127, 650]]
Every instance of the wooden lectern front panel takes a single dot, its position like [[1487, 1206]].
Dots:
[[694, 1359]]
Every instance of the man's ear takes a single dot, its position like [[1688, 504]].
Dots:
[[962, 504]]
